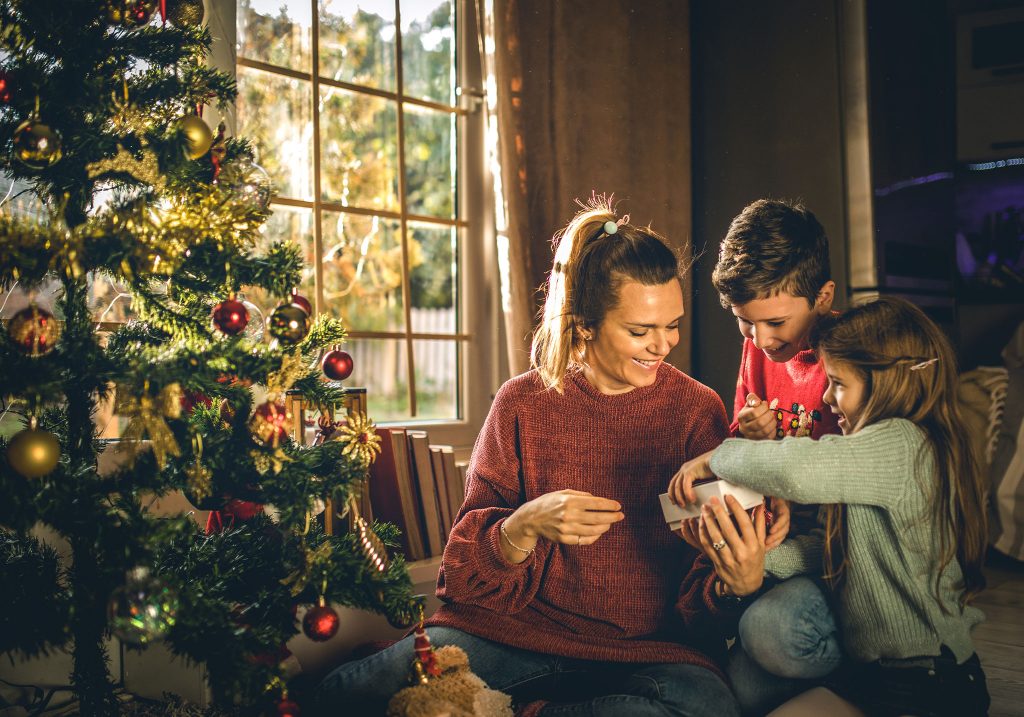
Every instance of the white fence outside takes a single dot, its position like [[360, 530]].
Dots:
[[381, 366]]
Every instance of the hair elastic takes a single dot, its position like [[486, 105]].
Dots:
[[610, 227], [924, 364]]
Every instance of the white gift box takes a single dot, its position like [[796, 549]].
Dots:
[[674, 515]]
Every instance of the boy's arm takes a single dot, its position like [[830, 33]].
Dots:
[[751, 416]]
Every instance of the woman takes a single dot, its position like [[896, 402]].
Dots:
[[560, 573]]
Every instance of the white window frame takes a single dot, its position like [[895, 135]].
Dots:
[[483, 363]]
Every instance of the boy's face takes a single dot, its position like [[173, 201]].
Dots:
[[634, 338], [779, 325]]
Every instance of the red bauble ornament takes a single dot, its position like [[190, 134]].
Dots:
[[130, 13], [321, 622], [6, 87], [34, 331], [269, 423], [230, 316], [191, 399], [337, 365], [286, 708], [300, 300]]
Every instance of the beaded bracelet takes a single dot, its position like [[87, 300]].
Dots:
[[508, 540]]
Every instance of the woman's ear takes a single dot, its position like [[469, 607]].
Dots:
[[826, 295], [583, 333]]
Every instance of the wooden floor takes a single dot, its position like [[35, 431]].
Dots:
[[1000, 639]]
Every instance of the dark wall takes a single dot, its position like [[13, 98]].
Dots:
[[766, 122]]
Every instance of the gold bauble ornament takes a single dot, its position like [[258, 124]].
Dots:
[[130, 13], [289, 324], [36, 145], [33, 452], [185, 13], [198, 136]]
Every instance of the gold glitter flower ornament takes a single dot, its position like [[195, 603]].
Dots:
[[360, 437]]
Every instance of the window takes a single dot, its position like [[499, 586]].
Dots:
[[353, 108]]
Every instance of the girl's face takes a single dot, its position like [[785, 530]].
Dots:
[[846, 392], [629, 345]]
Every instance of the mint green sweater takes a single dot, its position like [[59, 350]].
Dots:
[[885, 475]]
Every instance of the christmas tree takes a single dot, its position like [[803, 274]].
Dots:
[[101, 105]]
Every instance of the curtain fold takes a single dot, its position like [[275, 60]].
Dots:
[[584, 97]]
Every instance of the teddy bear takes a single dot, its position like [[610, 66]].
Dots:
[[454, 692]]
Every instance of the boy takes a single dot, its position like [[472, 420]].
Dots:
[[773, 274]]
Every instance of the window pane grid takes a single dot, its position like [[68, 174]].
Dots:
[[387, 221]]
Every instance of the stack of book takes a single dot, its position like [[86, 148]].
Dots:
[[417, 486]]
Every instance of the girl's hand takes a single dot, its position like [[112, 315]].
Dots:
[[756, 419], [680, 488], [572, 517], [739, 556]]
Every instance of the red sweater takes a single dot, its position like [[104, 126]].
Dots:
[[800, 381], [639, 594]]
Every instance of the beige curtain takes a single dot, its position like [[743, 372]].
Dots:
[[585, 95]]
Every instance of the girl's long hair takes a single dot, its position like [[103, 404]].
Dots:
[[589, 268], [887, 342]]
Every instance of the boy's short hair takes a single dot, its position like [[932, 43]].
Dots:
[[772, 246]]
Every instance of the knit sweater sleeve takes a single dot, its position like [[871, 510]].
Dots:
[[870, 467], [798, 555], [473, 569]]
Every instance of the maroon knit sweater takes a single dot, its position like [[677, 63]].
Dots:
[[639, 594], [801, 380]]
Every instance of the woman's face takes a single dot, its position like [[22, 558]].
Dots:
[[627, 348], [846, 392]]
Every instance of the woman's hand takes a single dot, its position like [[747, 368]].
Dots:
[[680, 488], [572, 517], [689, 530], [780, 523], [735, 549], [756, 419]]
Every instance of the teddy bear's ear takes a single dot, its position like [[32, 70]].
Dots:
[[451, 657]]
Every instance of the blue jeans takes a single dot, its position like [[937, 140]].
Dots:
[[577, 687], [787, 640]]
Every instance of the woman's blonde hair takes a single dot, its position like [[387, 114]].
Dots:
[[909, 371], [590, 265]]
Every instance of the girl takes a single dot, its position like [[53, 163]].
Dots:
[[560, 580], [904, 521]]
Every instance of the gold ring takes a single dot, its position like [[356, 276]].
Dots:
[[579, 539], [719, 545]]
